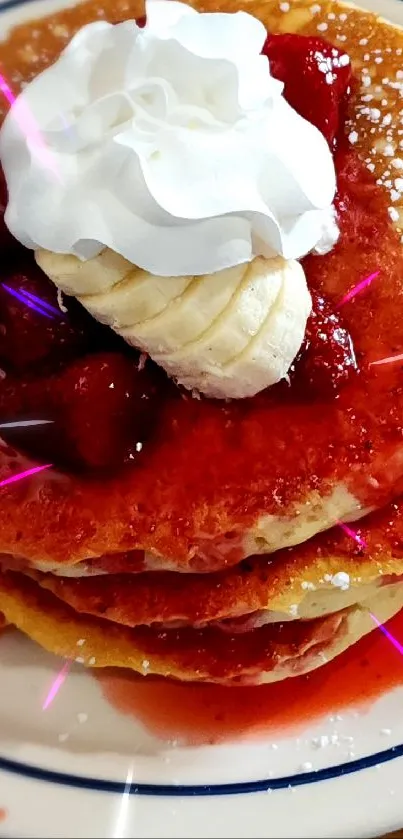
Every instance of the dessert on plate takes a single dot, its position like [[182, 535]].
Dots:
[[202, 308]]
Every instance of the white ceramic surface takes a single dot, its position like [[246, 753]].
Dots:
[[113, 778]]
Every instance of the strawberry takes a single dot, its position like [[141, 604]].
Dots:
[[105, 404], [316, 79], [33, 329], [101, 405], [327, 358]]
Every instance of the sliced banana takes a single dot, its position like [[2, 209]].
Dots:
[[136, 298], [232, 331], [269, 354], [228, 335], [75, 277], [188, 316]]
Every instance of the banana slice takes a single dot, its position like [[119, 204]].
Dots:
[[136, 298], [228, 335], [269, 354], [188, 316], [231, 332], [75, 277]]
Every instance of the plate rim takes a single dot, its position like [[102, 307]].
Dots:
[[82, 782]]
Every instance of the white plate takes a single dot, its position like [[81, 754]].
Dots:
[[81, 768]]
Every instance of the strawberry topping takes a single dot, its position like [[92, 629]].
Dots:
[[316, 78], [101, 406]]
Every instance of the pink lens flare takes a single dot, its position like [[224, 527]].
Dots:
[[395, 643], [56, 685], [352, 534], [25, 474], [33, 302], [391, 359], [28, 126], [358, 288]]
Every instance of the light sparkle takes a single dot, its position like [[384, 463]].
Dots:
[[395, 643], [353, 535], [25, 423], [391, 359], [33, 302], [363, 284], [25, 474], [56, 685], [27, 125]]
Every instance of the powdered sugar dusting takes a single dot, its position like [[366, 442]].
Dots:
[[379, 116]]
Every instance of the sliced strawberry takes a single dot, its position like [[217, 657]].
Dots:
[[316, 79]]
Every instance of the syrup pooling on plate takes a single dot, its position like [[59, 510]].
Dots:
[[201, 714]]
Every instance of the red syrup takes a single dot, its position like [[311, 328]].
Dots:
[[201, 714]]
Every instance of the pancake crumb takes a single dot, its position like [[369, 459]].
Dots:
[[307, 766], [320, 742]]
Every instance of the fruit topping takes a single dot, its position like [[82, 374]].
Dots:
[[102, 407], [33, 329], [316, 79], [327, 358]]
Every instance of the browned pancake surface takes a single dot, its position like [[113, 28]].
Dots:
[[287, 582]]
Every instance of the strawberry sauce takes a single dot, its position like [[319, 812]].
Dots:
[[202, 714]]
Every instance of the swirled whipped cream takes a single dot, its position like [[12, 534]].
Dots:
[[172, 145]]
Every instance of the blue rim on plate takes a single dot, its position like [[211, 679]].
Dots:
[[241, 787]]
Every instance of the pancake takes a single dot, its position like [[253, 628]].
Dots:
[[168, 587], [329, 573], [265, 620], [219, 482], [269, 654]]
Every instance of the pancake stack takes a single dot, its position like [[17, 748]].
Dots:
[[258, 541]]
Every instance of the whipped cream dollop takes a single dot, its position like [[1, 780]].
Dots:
[[172, 145]]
